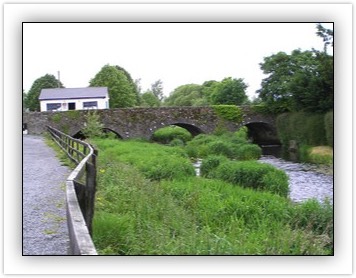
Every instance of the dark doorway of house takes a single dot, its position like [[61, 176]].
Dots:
[[71, 106]]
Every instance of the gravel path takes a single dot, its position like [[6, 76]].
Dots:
[[44, 224]]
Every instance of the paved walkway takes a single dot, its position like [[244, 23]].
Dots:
[[44, 224]]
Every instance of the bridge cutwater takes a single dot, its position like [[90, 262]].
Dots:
[[143, 122]]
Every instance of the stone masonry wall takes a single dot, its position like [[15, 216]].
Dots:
[[140, 122]]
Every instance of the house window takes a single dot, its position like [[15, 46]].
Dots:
[[90, 105], [53, 106]]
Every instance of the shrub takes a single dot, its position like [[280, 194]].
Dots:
[[93, 128], [241, 134], [221, 148], [248, 152], [305, 128], [283, 128], [254, 175], [176, 142], [209, 164], [198, 147], [314, 130], [166, 134]]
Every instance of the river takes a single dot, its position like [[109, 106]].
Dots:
[[305, 182]]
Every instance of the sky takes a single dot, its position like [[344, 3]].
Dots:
[[175, 53]]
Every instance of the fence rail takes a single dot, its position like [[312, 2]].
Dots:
[[81, 188]]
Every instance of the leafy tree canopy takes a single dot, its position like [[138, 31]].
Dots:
[[45, 82], [326, 34], [230, 91], [187, 95], [148, 99], [302, 80], [157, 89], [122, 90]]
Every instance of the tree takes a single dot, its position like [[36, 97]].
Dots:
[[122, 91], [301, 81], [157, 89], [135, 83], [326, 34], [186, 95], [148, 99], [229, 91], [45, 82]]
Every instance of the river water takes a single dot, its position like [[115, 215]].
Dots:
[[304, 181]]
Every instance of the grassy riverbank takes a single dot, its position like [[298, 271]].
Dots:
[[149, 201]]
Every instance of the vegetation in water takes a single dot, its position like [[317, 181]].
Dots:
[[232, 145], [252, 174]]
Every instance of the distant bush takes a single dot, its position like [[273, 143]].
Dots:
[[176, 142], [305, 128], [166, 134], [329, 128], [315, 130], [253, 174], [93, 126], [241, 134]]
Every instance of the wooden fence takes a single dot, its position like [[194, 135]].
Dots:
[[82, 178]]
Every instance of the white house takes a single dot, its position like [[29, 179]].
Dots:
[[63, 99]]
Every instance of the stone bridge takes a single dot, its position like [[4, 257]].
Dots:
[[143, 122]]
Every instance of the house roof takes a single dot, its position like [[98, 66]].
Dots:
[[73, 93]]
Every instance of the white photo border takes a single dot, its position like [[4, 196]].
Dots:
[[15, 14]]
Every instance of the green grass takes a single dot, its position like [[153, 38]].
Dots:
[[180, 214], [254, 175], [316, 155], [232, 145], [155, 161]]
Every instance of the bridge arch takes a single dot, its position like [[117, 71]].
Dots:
[[262, 133], [194, 130], [191, 128], [79, 134]]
